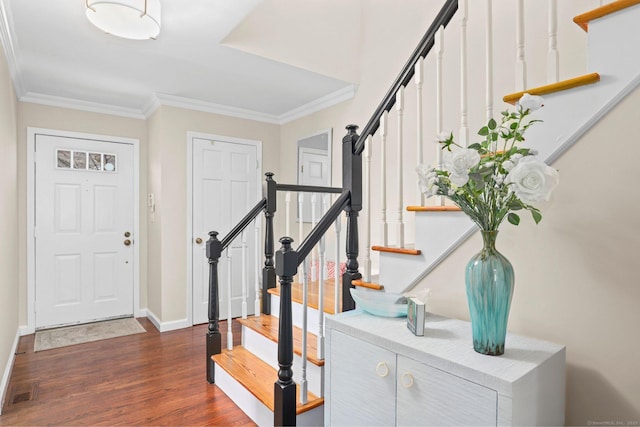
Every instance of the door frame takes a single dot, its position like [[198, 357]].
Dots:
[[191, 135], [32, 132]]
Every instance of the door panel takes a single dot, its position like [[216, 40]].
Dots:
[[224, 189], [84, 205]]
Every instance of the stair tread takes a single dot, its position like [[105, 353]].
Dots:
[[258, 377], [369, 285], [433, 209], [586, 79], [268, 325], [583, 19], [391, 249], [296, 294]]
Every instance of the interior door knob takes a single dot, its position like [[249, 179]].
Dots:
[[198, 240], [127, 242]]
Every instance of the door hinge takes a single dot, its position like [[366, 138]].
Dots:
[[302, 169]]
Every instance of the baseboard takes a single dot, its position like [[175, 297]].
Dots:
[[6, 376], [167, 326]]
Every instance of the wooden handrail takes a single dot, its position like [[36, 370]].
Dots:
[[244, 222]]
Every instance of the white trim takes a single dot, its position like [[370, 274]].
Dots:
[[7, 38], [31, 256], [210, 107], [6, 376], [167, 326], [190, 137], [76, 104], [319, 104]]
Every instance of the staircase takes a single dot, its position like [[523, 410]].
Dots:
[[292, 339]]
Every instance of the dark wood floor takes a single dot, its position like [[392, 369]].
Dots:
[[143, 379]]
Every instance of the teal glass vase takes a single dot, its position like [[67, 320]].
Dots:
[[489, 282]]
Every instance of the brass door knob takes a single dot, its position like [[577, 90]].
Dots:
[[127, 234], [198, 240], [127, 242]]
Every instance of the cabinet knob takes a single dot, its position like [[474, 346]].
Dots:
[[406, 380], [382, 369]]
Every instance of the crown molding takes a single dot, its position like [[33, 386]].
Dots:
[[319, 104], [7, 38], [75, 104]]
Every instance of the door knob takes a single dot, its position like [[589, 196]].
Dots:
[[127, 242], [198, 240], [127, 234]]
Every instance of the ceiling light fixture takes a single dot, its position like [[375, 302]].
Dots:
[[131, 19]]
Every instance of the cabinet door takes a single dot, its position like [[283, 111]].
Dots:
[[363, 385], [429, 396]]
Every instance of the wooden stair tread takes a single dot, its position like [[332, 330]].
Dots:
[[267, 326], [296, 294], [405, 251], [587, 79], [433, 209], [258, 377], [368, 285], [583, 19]]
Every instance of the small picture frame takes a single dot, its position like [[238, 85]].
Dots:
[[415, 316]]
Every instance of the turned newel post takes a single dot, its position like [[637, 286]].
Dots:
[[285, 388], [351, 181], [268, 272], [214, 341]]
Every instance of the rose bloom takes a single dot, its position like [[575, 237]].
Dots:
[[530, 102], [458, 164], [532, 180]]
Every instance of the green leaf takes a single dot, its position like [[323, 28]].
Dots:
[[513, 218], [492, 124], [537, 216], [494, 136], [475, 146], [514, 126], [484, 131]]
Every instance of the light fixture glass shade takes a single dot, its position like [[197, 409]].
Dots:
[[131, 19]]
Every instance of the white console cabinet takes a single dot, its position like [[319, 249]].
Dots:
[[380, 374]]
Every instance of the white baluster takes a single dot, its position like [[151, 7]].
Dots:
[[336, 271], [314, 259], [521, 64], [287, 212], [305, 306], [301, 197], [400, 169], [489, 60], [245, 282], [256, 305], [321, 256], [463, 11], [367, 210], [419, 137], [553, 61], [439, 49], [229, 319], [383, 178]]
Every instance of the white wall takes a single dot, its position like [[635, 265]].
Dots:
[[8, 221]]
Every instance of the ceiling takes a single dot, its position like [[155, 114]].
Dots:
[[57, 57]]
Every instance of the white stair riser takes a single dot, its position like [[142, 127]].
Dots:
[[267, 350], [297, 310]]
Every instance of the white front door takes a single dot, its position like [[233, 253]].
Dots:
[[225, 188], [83, 230], [313, 170]]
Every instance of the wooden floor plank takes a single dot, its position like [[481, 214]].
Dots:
[[143, 379]]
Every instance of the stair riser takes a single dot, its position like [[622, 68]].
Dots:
[[267, 350], [312, 314]]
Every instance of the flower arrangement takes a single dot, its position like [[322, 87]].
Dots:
[[493, 179]]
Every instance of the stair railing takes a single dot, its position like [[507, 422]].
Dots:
[[215, 248]]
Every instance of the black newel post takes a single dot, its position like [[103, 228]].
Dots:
[[285, 388], [214, 346], [352, 181], [268, 272]]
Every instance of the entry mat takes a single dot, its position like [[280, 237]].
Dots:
[[80, 334]]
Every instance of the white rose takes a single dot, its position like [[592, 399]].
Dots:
[[427, 180], [458, 164], [532, 180], [508, 165], [529, 102]]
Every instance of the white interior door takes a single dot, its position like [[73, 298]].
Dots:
[[225, 187], [313, 170], [83, 230]]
